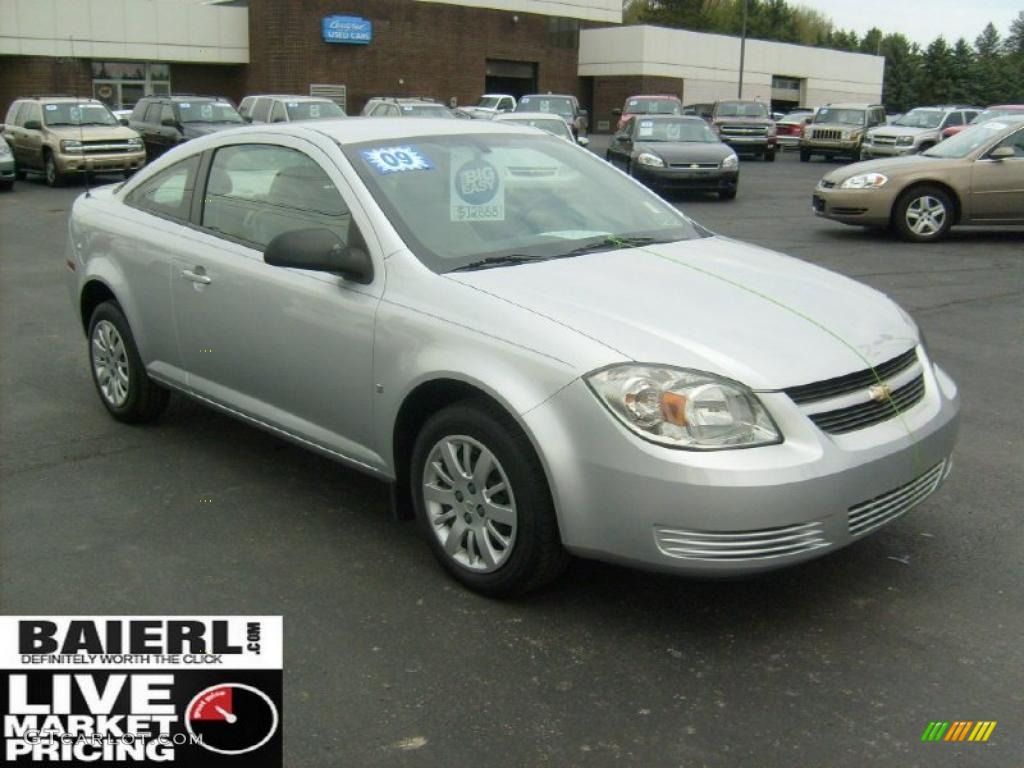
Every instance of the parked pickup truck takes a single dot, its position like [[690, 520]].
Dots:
[[746, 126]]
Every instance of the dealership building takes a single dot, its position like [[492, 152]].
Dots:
[[120, 50]]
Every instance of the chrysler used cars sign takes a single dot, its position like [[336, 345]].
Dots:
[[347, 29]]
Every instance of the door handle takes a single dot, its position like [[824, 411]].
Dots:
[[196, 277]]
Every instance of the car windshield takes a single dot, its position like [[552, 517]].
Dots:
[[652, 107], [559, 105], [554, 125], [426, 110], [674, 130], [968, 140], [741, 109], [989, 114], [208, 112], [920, 118], [472, 200], [69, 113], [841, 116], [313, 110]]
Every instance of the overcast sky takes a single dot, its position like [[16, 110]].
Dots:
[[921, 20]]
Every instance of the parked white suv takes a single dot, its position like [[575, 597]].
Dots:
[[492, 104], [917, 130]]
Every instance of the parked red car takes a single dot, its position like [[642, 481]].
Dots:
[[1001, 110], [647, 105]]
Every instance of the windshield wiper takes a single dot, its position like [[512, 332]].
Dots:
[[496, 261], [610, 243]]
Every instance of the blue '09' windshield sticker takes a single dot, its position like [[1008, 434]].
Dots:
[[396, 159]]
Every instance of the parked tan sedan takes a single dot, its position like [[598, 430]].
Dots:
[[975, 177]]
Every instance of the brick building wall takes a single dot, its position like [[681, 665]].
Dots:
[[209, 80], [611, 92], [29, 75], [419, 49]]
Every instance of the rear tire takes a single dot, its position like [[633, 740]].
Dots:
[[6, 186], [923, 214], [20, 175], [727, 194], [490, 492], [124, 387]]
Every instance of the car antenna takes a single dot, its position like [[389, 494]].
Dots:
[[81, 129]]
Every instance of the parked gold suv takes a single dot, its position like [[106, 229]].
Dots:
[[61, 135]]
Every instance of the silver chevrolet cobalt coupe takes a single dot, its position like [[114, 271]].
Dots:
[[542, 356]]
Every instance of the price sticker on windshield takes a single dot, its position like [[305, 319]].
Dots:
[[477, 192], [386, 160]]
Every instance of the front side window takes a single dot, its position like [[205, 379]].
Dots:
[[457, 200], [168, 194], [1015, 142], [955, 118], [167, 114], [12, 113], [277, 114], [261, 111], [31, 111], [153, 113], [256, 192]]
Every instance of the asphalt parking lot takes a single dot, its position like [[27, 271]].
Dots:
[[843, 661]]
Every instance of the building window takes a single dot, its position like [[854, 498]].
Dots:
[[563, 33], [120, 84], [780, 83]]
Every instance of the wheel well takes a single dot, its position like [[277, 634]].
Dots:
[[419, 405], [94, 294], [944, 187]]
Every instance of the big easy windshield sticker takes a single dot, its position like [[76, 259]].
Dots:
[[120, 691], [477, 192]]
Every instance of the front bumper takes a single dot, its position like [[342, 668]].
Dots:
[[888, 150], [686, 178], [869, 207], [749, 143], [838, 147], [115, 161], [7, 168], [623, 499]]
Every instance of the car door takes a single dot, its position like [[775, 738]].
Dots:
[[168, 130], [621, 149], [150, 130], [288, 348], [13, 131], [997, 186]]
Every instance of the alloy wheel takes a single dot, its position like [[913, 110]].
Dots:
[[469, 503], [110, 363], [926, 216]]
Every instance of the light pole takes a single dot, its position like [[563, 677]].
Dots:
[[743, 49]]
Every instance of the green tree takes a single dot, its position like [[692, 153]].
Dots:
[[899, 92], [989, 74], [963, 89], [938, 73]]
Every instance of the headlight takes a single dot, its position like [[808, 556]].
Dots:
[[854, 135], [646, 158], [905, 141], [731, 161], [684, 409], [71, 145], [865, 181], [136, 142]]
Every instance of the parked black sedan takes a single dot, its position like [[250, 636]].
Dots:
[[668, 152]]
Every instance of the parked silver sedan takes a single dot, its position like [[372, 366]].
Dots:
[[542, 356]]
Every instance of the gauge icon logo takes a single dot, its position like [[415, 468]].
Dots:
[[232, 718]]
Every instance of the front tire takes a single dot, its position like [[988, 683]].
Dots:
[[124, 387], [769, 155], [52, 174], [6, 186], [923, 214], [482, 498], [727, 194], [805, 156]]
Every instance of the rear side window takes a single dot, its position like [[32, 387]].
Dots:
[[1015, 142], [246, 106], [139, 113], [256, 192], [12, 113], [261, 111], [277, 114], [955, 118], [169, 193]]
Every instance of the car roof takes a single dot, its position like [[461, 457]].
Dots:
[[666, 96], [547, 95], [64, 99], [286, 97], [1007, 106], [688, 118], [513, 116], [849, 105], [355, 130]]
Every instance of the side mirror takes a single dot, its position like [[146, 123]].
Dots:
[[617, 112], [32, 125], [320, 250], [169, 122], [1001, 153], [247, 118], [583, 141], [123, 120]]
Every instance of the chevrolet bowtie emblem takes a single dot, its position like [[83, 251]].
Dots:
[[694, 165], [880, 393]]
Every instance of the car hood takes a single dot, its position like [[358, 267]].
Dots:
[[893, 166], [713, 304], [898, 130], [93, 132], [685, 151], [193, 130]]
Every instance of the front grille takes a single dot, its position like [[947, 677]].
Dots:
[[881, 140], [849, 211], [868, 414], [695, 166], [844, 385], [737, 546], [744, 130], [876, 512], [107, 147], [829, 134]]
